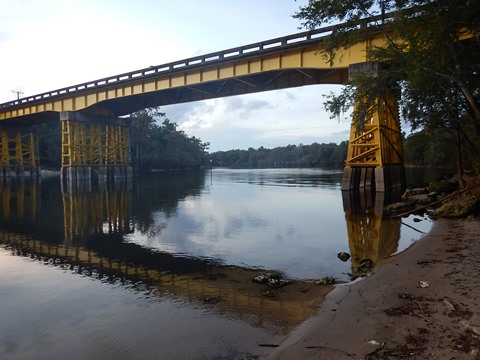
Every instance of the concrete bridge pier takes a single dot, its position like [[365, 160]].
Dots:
[[375, 152], [95, 148], [379, 179]]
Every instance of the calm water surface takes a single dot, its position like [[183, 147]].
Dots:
[[161, 268]]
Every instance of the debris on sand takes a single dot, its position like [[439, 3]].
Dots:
[[272, 279]]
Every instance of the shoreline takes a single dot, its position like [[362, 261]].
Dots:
[[421, 303]]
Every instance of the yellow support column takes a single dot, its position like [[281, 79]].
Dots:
[[4, 153], [80, 151], [29, 153], [66, 141], [76, 172], [96, 150], [18, 152], [374, 158], [68, 169], [118, 151], [16, 155], [94, 146]]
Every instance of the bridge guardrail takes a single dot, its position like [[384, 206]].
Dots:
[[237, 53]]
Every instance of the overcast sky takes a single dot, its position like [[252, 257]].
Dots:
[[49, 44]]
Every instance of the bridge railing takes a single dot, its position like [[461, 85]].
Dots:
[[234, 54]]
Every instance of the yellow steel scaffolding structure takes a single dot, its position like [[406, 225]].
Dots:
[[374, 157], [18, 152], [94, 146]]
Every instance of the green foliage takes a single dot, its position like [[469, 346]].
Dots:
[[439, 147], [432, 57], [315, 155], [430, 148], [49, 145], [163, 146]]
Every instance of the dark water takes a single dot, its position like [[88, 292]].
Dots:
[[161, 268]]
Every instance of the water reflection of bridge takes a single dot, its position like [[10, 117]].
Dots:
[[95, 224], [20, 198], [370, 235], [95, 212], [93, 244]]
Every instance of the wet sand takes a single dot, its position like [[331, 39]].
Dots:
[[421, 304]]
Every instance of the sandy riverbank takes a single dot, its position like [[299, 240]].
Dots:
[[421, 304]]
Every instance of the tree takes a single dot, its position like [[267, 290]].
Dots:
[[163, 146], [432, 57], [314, 155], [49, 137]]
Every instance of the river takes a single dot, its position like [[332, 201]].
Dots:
[[161, 267]]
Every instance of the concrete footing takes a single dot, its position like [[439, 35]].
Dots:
[[378, 179], [81, 176], [19, 171]]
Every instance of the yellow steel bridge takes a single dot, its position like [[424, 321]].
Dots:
[[95, 138]]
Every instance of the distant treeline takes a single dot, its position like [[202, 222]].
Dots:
[[315, 155]]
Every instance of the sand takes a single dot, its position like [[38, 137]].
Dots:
[[421, 304]]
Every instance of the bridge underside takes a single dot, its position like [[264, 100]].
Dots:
[[241, 85], [127, 99]]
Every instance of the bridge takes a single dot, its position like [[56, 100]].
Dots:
[[95, 140]]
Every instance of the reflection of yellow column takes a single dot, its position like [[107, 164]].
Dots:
[[6, 196], [83, 214], [87, 213], [118, 211], [370, 236], [20, 198]]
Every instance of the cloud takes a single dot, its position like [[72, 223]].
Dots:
[[290, 96], [234, 111], [247, 107], [270, 119], [5, 36]]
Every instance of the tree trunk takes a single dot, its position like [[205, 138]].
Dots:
[[461, 181], [472, 101]]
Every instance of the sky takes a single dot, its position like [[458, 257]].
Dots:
[[50, 44]]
